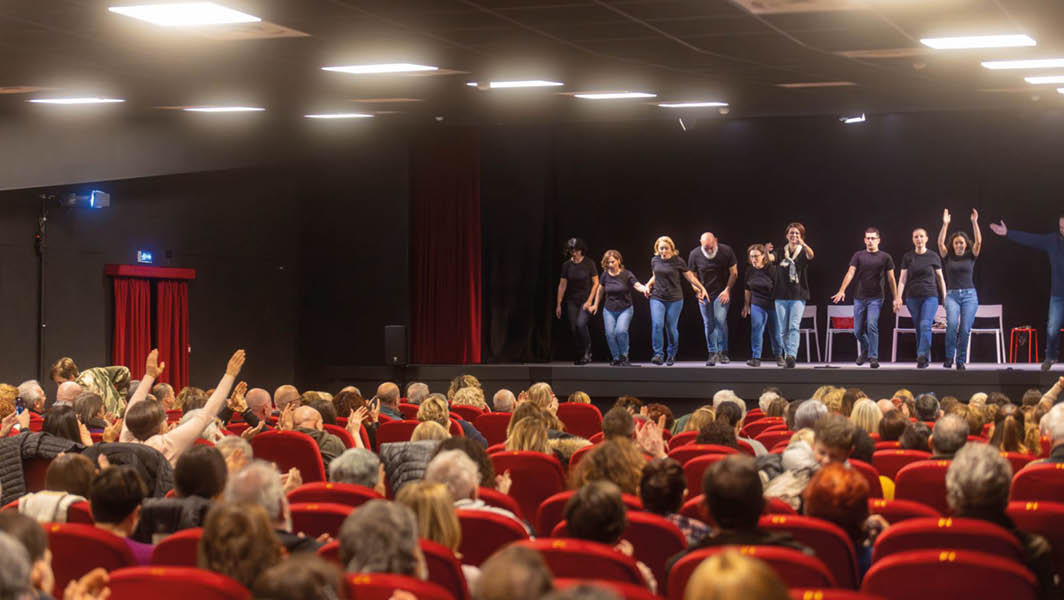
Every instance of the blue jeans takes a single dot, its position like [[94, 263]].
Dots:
[[1056, 319], [617, 330], [866, 325], [789, 319], [960, 315], [664, 318], [759, 320], [923, 313], [715, 320]]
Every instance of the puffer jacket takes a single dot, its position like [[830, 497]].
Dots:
[[406, 461], [14, 451], [149, 463]]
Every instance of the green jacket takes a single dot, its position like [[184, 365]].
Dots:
[[111, 383]]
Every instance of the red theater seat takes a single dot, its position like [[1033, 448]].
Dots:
[[289, 449], [688, 451], [536, 477], [178, 550], [344, 435], [769, 439], [795, 568], [500, 500], [468, 413], [582, 559], [924, 482], [654, 539], [1042, 482], [336, 493], [580, 454], [78, 549], [409, 411], [493, 426], [380, 586], [315, 518], [753, 415], [1047, 520], [331, 552], [752, 429], [828, 541], [626, 591], [895, 511], [485, 532], [173, 583], [33, 471], [829, 594], [875, 488], [444, 569], [80, 512], [395, 431], [949, 575], [1017, 460], [696, 508], [551, 511], [584, 420], [695, 469], [684, 437], [892, 445], [889, 462], [946, 532]]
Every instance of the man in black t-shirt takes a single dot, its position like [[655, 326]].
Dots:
[[714, 265], [870, 267]]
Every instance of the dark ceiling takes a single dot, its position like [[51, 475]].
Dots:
[[680, 49]]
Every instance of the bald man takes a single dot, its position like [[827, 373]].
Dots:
[[68, 391], [259, 403], [307, 420], [283, 395], [715, 266], [388, 393], [885, 405]]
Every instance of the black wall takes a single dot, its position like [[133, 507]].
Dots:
[[620, 185]]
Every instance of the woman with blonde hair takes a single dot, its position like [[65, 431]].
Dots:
[[700, 418], [542, 396], [462, 382], [866, 415], [731, 575], [529, 434], [436, 518], [665, 290], [429, 430], [470, 396], [580, 397], [617, 460], [1009, 432], [433, 408]]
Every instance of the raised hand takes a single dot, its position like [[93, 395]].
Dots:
[[251, 432], [999, 229], [237, 403], [504, 482], [355, 419], [945, 216], [83, 432], [92, 586], [975, 215], [235, 363], [152, 367], [8, 424], [112, 431], [287, 420]]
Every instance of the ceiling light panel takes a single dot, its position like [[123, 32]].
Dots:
[[816, 84], [339, 116], [523, 84], [614, 95], [185, 14], [1037, 63], [692, 104], [76, 100], [223, 109], [979, 41], [380, 68], [1044, 79]]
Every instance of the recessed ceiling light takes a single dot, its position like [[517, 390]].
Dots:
[[340, 116], [185, 14], [691, 104], [816, 84], [472, 84], [524, 84], [76, 100], [1060, 90], [615, 95], [1037, 63], [218, 109], [381, 68], [854, 119], [1044, 79], [978, 41]]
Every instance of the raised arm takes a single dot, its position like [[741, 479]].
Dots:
[[184, 435], [942, 250], [977, 234], [152, 369], [841, 294]]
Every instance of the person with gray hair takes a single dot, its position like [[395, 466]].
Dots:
[[358, 466], [728, 396], [32, 395], [977, 487], [416, 392], [503, 401], [454, 469], [808, 413], [766, 399], [260, 483], [236, 451], [14, 570], [382, 537], [1052, 426], [927, 407], [947, 437], [164, 393]]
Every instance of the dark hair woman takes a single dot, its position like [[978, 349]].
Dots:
[[961, 298], [577, 289]]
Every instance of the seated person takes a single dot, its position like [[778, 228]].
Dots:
[[950, 434], [236, 451], [916, 436], [834, 437], [89, 408], [326, 409], [503, 401], [617, 422], [115, 498], [732, 412], [238, 542], [31, 535], [199, 479], [435, 408], [840, 495], [66, 481], [454, 469], [662, 489], [429, 431], [732, 574], [719, 433], [733, 493], [303, 577], [358, 466], [259, 484], [308, 421], [488, 478], [382, 537], [597, 513], [437, 520], [619, 461], [927, 408], [892, 425], [513, 573], [15, 568], [62, 421]]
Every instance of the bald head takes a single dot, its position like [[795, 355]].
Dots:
[[259, 402], [308, 418], [68, 391], [503, 401], [283, 395], [388, 392], [885, 405], [708, 241], [351, 388]]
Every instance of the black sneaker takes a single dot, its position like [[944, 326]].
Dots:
[[1048, 364], [723, 358], [790, 362], [780, 361], [657, 360], [670, 361], [921, 362], [754, 362], [873, 362], [615, 362], [961, 367], [712, 360], [948, 364], [580, 361], [624, 362], [861, 358]]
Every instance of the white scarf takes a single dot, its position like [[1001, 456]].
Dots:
[[788, 261]]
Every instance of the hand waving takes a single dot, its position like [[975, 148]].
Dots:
[[152, 367], [235, 363], [999, 228], [237, 403]]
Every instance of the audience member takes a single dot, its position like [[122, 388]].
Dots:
[[656, 411], [618, 461], [15, 582], [381, 537], [529, 435], [719, 433], [699, 418], [62, 421], [236, 451], [731, 575], [808, 414], [503, 401], [429, 431], [66, 481], [834, 438], [164, 393], [416, 392], [917, 436], [777, 408], [285, 395], [301, 577], [866, 415], [661, 489], [892, 425], [840, 495], [454, 469], [260, 484], [579, 397], [462, 381], [437, 520], [111, 383], [731, 412], [949, 434], [199, 480], [1009, 430], [470, 396], [388, 394], [67, 392], [358, 466], [617, 423], [1052, 426], [115, 498], [513, 573], [239, 543], [34, 541], [90, 411], [32, 395], [927, 408], [308, 421], [597, 513], [190, 398]]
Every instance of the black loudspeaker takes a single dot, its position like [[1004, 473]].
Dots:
[[395, 345]]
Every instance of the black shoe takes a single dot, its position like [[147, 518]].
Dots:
[[580, 361], [861, 358], [948, 364], [723, 358], [754, 362], [961, 367], [657, 360], [624, 362], [1048, 364], [921, 362], [790, 362], [873, 362], [780, 361], [712, 360], [615, 362], [670, 361]]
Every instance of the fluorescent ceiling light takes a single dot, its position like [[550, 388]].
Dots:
[[615, 95], [185, 14], [978, 41], [472, 84], [1060, 90], [382, 68], [1037, 63], [691, 104], [816, 84], [340, 116], [76, 100], [852, 120], [524, 84], [217, 109], [1044, 79]]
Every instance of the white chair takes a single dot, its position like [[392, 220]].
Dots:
[[841, 312], [940, 316], [990, 311], [810, 313]]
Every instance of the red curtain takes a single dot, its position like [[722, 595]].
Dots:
[[132, 334], [445, 247], [171, 317]]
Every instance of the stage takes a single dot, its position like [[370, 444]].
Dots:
[[688, 384]]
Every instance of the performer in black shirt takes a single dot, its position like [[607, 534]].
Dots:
[[961, 298], [576, 291], [870, 266], [920, 284], [760, 281], [665, 291], [714, 265], [615, 297]]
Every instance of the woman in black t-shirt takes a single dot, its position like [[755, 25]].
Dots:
[[615, 297], [760, 283], [576, 292], [921, 284], [961, 298], [665, 291]]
